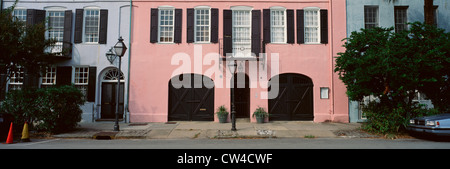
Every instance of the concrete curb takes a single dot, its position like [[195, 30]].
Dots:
[[212, 130]]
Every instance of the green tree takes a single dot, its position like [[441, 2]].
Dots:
[[22, 45], [393, 66]]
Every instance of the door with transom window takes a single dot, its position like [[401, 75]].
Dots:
[[109, 95]]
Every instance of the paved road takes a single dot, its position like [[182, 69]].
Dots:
[[291, 143]]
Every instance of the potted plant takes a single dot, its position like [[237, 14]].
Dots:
[[260, 114], [222, 114]]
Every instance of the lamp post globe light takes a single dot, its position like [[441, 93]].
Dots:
[[111, 56], [119, 50], [232, 65]]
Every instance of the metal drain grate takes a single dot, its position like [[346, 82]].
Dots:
[[104, 135]]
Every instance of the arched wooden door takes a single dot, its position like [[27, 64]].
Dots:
[[295, 98], [194, 103]]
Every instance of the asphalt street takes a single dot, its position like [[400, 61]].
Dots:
[[277, 143]]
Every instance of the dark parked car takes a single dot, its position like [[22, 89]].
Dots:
[[435, 125]]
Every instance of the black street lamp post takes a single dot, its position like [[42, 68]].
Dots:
[[119, 50], [233, 67]]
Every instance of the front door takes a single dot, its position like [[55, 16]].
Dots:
[[109, 93], [295, 98], [194, 103], [241, 95]]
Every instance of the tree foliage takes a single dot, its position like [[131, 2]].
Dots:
[[23, 45], [393, 66]]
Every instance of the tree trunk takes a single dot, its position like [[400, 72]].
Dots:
[[429, 12]]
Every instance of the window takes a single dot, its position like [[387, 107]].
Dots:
[[242, 32], [166, 25], [278, 25], [401, 18], [20, 13], [370, 16], [312, 25], [49, 79], [56, 29], [91, 25], [202, 25], [16, 80], [82, 79]]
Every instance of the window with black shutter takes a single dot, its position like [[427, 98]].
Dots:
[[178, 25], [67, 37], [103, 30], [64, 75], [92, 84], [78, 33], [154, 25], [214, 25], [266, 26], [323, 26], [300, 26], [256, 32], [290, 26], [227, 32], [190, 25]]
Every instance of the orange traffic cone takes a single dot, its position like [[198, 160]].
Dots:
[[25, 136], [9, 140]]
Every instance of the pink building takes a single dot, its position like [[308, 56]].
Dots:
[[284, 47]]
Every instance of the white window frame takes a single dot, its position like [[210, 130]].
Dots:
[[272, 26], [16, 79], [49, 75], [242, 40], [59, 43], [396, 16], [377, 16], [84, 83], [312, 9], [209, 23], [23, 16], [160, 9], [84, 24]]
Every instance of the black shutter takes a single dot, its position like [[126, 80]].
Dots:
[[35, 16], [256, 32], [190, 25], [78, 34], [30, 80], [39, 16], [3, 88], [266, 25], [324, 26], [63, 75], [30, 16], [290, 26], [178, 23], [103, 33], [214, 25], [67, 38], [154, 25], [300, 27], [92, 84], [227, 32]]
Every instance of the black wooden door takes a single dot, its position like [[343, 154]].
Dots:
[[295, 98], [108, 106], [194, 103], [242, 95]]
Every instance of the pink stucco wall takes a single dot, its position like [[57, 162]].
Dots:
[[151, 67]]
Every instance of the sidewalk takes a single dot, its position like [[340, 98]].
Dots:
[[214, 130]]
